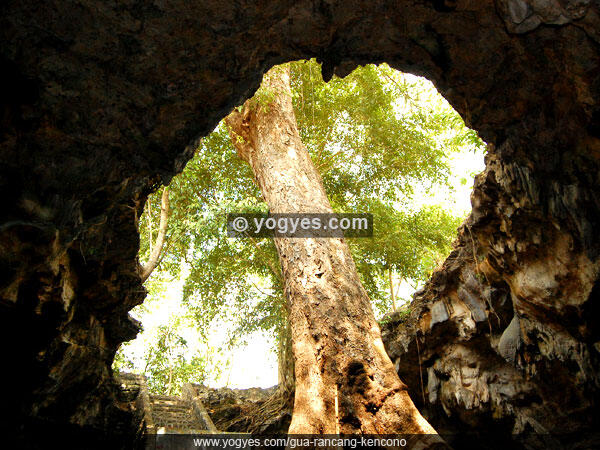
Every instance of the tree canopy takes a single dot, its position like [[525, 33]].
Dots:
[[376, 136]]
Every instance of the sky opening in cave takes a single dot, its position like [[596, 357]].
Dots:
[[253, 361]]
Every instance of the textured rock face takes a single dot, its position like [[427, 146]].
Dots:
[[526, 15], [504, 336], [253, 410], [103, 100]]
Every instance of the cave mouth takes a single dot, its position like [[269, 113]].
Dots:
[[102, 104], [233, 342]]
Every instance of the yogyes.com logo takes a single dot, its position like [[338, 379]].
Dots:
[[296, 225]]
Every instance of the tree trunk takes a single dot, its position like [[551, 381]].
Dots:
[[160, 238], [285, 361], [345, 380], [391, 280]]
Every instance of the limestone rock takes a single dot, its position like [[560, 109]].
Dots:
[[510, 341], [515, 355], [103, 101], [522, 16]]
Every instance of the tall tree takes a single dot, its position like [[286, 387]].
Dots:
[[345, 382], [372, 139], [373, 136]]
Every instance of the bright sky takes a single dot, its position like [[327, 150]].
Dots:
[[252, 365], [255, 364]]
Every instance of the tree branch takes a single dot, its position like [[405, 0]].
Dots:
[[160, 238]]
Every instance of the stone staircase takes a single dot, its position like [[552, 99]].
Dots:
[[164, 414], [173, 414]]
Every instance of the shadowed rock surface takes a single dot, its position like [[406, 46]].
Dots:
[[103, 101], [504, 337], [254, 410]]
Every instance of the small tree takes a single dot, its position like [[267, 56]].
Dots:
[[167, 367], [166, 359]]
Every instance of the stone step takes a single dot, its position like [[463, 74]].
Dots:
[[182, 414], [171, 407], [173, 413], [164, 397]]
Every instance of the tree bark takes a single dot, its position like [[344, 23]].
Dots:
[[156, 249], [285, 362], [341, 365]]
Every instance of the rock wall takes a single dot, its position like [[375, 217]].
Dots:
[[103, 101], [504, 338], [254, 410]]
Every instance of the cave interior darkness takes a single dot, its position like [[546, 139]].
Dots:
[[103, 102]]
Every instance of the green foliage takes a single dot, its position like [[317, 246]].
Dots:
[[374, 136], [411, 244], [166, 360], [399, 316], [238, 280], [166, 365]]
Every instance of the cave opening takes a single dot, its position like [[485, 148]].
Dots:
[[215, 315], [103, 101]]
